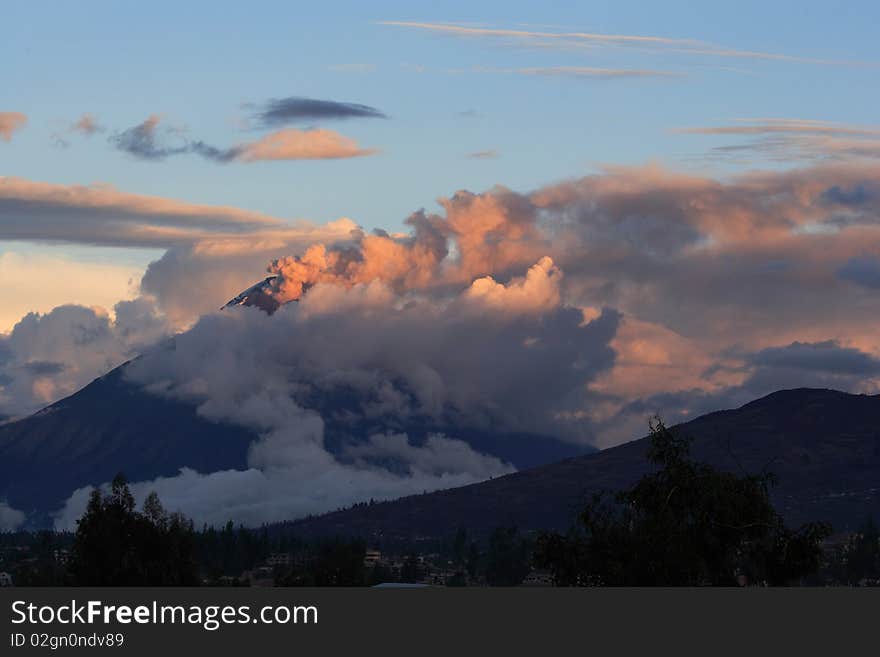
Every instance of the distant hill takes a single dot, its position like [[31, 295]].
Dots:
[[823, 445]]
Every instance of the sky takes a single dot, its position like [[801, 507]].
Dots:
[[559, 218], [445, 96], [707, 174]]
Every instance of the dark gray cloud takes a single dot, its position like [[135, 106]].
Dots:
[[295, 109], [862, 270], [857, 194], [43, 368], [145, 141], [825, 364], [827, 356], [150, 141], [222, 155]]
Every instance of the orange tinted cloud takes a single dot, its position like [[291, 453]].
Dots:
[[529, 38], [493, 232], [11, 122], [783, 139], [86, 124], [101, 214], [293, 144], [769, 126], [536, 292]]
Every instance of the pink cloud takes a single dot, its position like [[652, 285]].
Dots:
[[293, 144], [11, 122]]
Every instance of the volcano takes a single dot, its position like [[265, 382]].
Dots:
[[113, 425], [258, 295]]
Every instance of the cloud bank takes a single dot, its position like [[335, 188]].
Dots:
[[23, 275], [493, 355], [573, 311], [47, 357]]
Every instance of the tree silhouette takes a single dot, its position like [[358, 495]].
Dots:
[[330, 562], [507, 558], [862, 555], [116, 545], [684, 524]]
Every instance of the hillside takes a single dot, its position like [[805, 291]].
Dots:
[[823, 445]]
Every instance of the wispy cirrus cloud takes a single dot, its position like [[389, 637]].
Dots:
[[471, 31], [760, 126], [10, 123], [586, 72], [573, 39], [490, 154], [790, 139]]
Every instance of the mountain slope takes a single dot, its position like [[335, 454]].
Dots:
[[113, 426], [823, 445], [109, 426]]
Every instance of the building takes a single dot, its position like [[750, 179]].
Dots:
[[275, 559], [371, 558]]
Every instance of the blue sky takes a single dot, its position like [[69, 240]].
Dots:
[[196, 64]]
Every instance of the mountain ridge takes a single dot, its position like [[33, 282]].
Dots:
[[830, 476]]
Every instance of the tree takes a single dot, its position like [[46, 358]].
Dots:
[[507, 558], [459, 547], [379, 574], [862, 554], [412, 570], [331, 562], [684, 524], [472, 563], [116, 545]]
